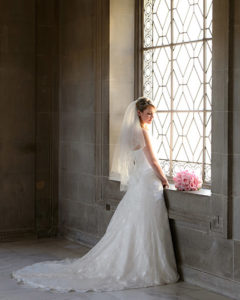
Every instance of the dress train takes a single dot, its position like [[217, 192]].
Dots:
[[135, 251]]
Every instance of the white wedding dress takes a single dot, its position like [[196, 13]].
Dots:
[[136, 250]]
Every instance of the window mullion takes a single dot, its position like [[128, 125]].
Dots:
[[171, 113], [204, 91]]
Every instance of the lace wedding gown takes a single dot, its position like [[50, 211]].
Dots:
[[136, 250]]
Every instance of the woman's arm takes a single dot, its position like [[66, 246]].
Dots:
[[148, 151]]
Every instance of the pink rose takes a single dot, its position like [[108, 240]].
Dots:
[[184, 180]]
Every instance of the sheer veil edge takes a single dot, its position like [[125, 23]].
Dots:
[[131, 138]]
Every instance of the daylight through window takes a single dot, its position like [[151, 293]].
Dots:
[[177, 76]]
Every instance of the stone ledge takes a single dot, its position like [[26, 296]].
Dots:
[[203, 192], [191, 207]]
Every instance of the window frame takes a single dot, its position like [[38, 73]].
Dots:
[[219, 202], [203, 164]]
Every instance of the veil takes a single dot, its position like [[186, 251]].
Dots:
[[130, 139]]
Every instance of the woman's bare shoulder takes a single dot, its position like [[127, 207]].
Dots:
[[145, 131], [146, 135]]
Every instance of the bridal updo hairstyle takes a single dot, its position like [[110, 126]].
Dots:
[[143, 103]]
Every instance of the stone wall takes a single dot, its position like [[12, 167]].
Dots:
[[81, 68], [47, 111], [121, 71], [29, 117], [17, 115]]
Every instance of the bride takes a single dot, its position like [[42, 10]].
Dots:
[[136, 249]]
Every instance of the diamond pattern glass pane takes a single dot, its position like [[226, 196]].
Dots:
[[177, 75], [161, 131], [187, 20], [208, 16], [161, 78], [157, 23], [188, 69]]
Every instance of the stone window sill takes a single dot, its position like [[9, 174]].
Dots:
[[201, 192], [191, 208]]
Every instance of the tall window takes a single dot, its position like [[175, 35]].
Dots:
[[177, 76]]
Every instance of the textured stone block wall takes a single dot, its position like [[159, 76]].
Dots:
[[17, 117], [79, 64], [47, 111], [236, 138], [28, 117]]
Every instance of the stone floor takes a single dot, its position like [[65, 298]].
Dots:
[[14, 255]]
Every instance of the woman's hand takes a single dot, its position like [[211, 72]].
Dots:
[[165, 183]]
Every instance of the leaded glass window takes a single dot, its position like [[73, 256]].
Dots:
[[177, 76]]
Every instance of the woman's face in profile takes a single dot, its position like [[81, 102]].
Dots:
[[147, 115]]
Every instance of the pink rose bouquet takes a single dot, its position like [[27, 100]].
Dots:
[[186, 181]]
